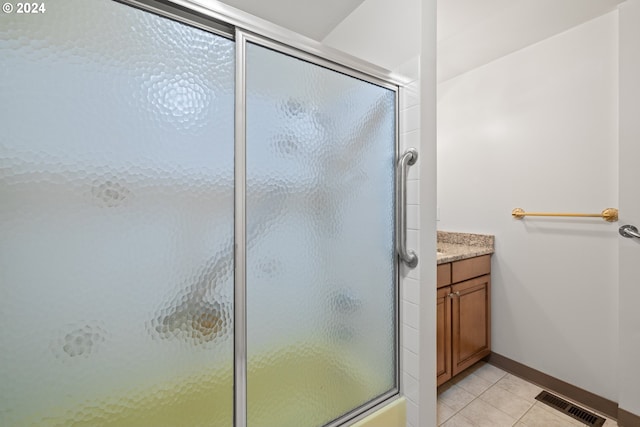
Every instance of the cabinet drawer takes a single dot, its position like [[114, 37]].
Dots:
[[470, 268], [443, 275]]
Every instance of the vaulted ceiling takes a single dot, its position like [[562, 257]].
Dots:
[[470, 32]]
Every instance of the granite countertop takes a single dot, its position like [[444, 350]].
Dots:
[[456, 246]]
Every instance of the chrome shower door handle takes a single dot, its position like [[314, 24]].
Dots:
[[407, 159], [629, 231]]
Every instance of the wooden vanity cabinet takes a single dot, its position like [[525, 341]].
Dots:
[[470, 322], [463, 315], [443, 345]]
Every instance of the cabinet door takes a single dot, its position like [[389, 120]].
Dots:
[[443, 343], [471, 324]]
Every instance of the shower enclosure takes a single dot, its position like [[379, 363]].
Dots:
[[197, 223]]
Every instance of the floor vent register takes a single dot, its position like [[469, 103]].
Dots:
[[568, 408]]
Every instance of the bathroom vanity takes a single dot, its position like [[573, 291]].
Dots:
[[463, 301]]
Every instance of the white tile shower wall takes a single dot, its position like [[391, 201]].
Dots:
[[410, 284], [428, 169]]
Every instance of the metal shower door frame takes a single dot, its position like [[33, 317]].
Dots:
[[242, 37], [242, 27]]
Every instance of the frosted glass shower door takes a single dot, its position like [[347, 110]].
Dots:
[[116, 219], [321, 270]]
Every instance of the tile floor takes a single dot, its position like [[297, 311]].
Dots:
[[488, 396]]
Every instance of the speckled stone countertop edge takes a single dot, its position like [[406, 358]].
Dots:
[[468, 252], [454, 246], [468, 239]]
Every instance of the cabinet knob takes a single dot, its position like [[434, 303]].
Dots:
[[457, 293]]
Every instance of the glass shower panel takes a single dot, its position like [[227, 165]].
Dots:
[[116, 219], [321, 272]]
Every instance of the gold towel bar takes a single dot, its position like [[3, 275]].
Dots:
[[609, 214]]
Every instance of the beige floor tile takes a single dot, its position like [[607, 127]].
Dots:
[[484, 415], [444, 412], [489, 373], [455, 397], [473, 384], [506, 401], [467, 371], [471, 369], [444, 387], [538, 416], [519, 387], [459, 421]]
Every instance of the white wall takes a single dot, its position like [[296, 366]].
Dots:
[[537, 129], [388, 33], [629, 355]]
